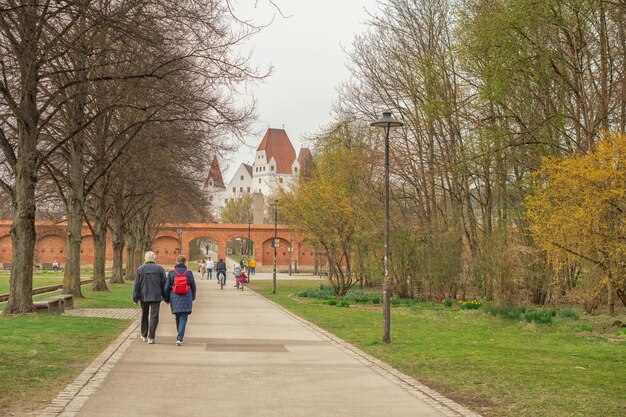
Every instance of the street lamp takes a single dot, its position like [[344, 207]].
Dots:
[[248, 248], [387, 122], [275, 204], [180, 240]]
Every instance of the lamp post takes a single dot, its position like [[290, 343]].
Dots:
[[386, 122], [275, 204], [180, 240], [248, 248]]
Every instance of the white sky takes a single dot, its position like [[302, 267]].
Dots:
[[306, 52]]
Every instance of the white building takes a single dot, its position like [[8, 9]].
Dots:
[[275, 165]]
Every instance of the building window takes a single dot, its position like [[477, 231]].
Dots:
[[241, 178], [272, 168], [226, 201], [295, 169], [248, 189], [263, 168], [280, 180], [241, 189], [259, 180], [234, 189]]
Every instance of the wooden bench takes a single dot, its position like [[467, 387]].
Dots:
[[68, 300], [47, 266], [6, 266], [51, 305]]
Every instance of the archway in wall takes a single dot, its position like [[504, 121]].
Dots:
[[201, 248], [6, 246], [282, 252], [51, 248], [166, 250], [239, 247]]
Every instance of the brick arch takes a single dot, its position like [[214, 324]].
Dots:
[[6, 247], [187, 249], [282, 252], [50, 248], [166, 249]]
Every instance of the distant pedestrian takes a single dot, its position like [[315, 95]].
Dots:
[[252, 266], [56, 266], [202, 269], [148, 290], [209, 268], [180, 292], [241, 264]]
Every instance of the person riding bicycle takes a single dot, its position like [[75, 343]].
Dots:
[[221, 270]]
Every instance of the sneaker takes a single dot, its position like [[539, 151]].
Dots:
[[144, 339], [151, 341], [179, 343]]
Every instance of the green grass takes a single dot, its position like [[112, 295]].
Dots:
[[41, 353], [118, 296], [493, 365]]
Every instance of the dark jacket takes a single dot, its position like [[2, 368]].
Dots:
[[180, 303], [149, 283], [220, 266]]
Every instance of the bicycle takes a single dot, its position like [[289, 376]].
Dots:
[[221, 277]]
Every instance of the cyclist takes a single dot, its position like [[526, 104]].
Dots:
[[221, 270]]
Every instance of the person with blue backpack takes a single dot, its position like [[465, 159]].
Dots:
[[180, 293]]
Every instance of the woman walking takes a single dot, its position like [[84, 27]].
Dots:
[[180, 292]]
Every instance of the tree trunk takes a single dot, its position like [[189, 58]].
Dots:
[[99, 248], [23, 236], [117, 275], [71, 275], [610, 298], [130, 257], [23, 232]]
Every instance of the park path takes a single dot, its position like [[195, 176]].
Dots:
[[245, 356]]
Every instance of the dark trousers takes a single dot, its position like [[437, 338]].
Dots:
[[149, 318]]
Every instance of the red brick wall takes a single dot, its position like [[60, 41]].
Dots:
[[50, 248], [166, 249], [282, 253], [5, 249]]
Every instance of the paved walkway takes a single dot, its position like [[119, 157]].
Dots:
[[243, 356]]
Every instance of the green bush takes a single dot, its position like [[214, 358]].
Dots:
[[331, 302], [470, 305], [622, 332], [568, 314], [343, 303], [448, 302], [540, 315], [395, 302], [586, 328]]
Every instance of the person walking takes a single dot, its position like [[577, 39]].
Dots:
[[180, 292], [236, 273], [209, 268], [201, 268], [148, 290], [252, 267]]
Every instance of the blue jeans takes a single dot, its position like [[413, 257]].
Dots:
[[181, 323], [209, 273]]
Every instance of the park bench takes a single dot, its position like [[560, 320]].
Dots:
[[51, 305], [68, 300], [6, 266], [47, 266]]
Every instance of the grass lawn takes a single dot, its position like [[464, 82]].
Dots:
[[495, 366], [40, 354]]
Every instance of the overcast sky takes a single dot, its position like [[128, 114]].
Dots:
[[306, 52]]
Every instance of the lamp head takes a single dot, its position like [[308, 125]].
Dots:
[[387, 121]]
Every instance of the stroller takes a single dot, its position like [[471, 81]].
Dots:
[[241, 280]]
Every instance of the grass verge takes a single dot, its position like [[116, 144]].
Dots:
[[492, 365], [40, 354]]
